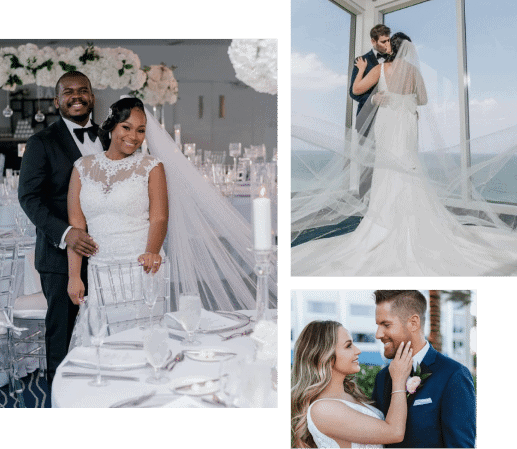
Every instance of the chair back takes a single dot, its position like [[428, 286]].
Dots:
[[119, 288]]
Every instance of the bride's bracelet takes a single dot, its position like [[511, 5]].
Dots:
[[398, 391]]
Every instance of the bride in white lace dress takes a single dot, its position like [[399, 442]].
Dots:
[[328, 409], [120, 197]]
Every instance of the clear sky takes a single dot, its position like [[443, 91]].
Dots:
[[320, 39]]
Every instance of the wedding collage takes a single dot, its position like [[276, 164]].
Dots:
[[275, 224]]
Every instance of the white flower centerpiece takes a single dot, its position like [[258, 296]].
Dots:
[[159, 86], [255, 63]]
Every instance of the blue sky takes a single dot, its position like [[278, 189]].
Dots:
[[320, 39]]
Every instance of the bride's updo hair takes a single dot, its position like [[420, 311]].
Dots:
[[314, 355], [396, 42], [118, 113]]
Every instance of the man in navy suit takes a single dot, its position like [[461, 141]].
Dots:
[[380, 36], [442, 411], [43, 187]]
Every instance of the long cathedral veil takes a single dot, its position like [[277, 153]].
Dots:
[[338, 193], [208, 239]]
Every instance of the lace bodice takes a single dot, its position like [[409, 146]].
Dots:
[[323, 441], [115, 202]]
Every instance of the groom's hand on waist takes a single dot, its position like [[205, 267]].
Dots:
[[81, 242]]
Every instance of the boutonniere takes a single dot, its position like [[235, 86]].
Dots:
[[415, 382]]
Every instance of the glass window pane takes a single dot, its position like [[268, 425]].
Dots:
[[327, 308], [320, 37], [363, 338], [359, 310], [492, 65]]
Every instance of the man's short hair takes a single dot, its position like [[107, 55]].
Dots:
[[405, 303], [72, 74], [379, 30]]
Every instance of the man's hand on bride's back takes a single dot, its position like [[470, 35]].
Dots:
[[401, 365], [79, 240]]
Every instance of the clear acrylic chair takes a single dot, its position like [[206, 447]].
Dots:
[[12, 332], [119, 289]]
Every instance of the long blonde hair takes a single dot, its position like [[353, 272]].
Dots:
[[314, 355]]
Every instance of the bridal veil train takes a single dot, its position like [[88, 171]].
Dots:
[[422, 207]]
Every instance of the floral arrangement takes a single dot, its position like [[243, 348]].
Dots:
[[159, 86], [105, 67], [255, 63]]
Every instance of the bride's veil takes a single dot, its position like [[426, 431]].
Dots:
[[337, 165], [208, 241]]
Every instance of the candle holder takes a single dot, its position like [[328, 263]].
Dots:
[[262, 270]]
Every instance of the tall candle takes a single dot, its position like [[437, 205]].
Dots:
[[177, 135], [262, 221]]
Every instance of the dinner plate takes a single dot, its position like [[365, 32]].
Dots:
[[212, 322], [181, 386], [209, 354], [111, 359]]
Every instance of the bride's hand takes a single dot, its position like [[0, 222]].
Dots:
[[76, 290], [361, 63], [401, 365], [150, 262]]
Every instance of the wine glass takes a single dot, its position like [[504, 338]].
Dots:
[[235, 150], [22, 221], [150, 290], [97, 329], [156, 351], [189, 316], [230, 370]]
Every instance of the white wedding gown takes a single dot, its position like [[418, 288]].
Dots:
[[406, 231], [324, 441], [115, 202]]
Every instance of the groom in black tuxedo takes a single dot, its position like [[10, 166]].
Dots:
[[44, 177], [380, 36], [442, 410]]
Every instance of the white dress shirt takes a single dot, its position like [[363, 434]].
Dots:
[[419, 356], [86, 148], [375, 52]]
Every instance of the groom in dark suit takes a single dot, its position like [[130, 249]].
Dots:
[[380, 36], [442, 411], [44, 177]]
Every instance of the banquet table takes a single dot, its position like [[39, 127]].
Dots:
[[71, 392]]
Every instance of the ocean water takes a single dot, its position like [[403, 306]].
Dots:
[[502, 188]]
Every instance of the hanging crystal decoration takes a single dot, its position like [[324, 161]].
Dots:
[[39, 117], [7, 112]]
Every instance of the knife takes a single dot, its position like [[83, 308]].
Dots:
[[93, 376]]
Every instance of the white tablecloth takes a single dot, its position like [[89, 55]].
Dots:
[[67, 392]]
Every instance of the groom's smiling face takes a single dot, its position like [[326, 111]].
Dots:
[[391, 329]]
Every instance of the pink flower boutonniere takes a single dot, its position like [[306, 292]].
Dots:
[[415, 382]]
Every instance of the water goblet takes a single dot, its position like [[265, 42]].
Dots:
[[156, 351], [97, 329], [22, 221], [230, 370], [150, 291], [189, 316]]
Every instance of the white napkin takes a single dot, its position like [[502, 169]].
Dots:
[[209, 320], [183, 402]]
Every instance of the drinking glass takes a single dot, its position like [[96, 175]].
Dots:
[[189, 316], [150, 290], [235, 151], [97, 329], [22, 221], [156, 351], [230, 378]]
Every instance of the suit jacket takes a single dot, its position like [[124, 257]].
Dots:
[[44, 177], [442, 412], [371, 63]]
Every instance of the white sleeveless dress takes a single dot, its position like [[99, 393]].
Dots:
[[406, 231], [115, 202], [323, 441]]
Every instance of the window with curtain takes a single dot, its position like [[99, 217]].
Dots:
[[320, 39]]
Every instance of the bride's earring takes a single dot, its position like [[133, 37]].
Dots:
[[109, 134]]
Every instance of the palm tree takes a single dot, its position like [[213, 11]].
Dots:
[[461, 297]]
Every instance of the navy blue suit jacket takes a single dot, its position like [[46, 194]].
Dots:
[[371, 61], [442, 412]]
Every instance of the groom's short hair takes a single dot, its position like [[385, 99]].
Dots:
[[404, 303], [72, 74], [379, 30]]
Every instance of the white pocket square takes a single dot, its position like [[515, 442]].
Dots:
[[423, 401]]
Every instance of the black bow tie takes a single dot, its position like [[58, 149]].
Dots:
[[382, 55], [91, 130]]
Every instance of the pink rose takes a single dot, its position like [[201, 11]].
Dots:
[[412, 384]]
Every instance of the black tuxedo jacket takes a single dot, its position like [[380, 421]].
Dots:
[[371, 63], [44, 177]]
